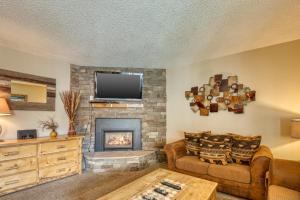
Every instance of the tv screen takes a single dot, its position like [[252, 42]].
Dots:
[[118, 86]]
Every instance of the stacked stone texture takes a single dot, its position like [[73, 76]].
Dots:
[[134, 163], [152, 114]]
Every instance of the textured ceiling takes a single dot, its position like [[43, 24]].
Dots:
[[145, 33]]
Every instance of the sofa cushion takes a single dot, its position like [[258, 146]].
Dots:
[[215, 152], [243, 148], [282, 193], [192, 164], [232, 172], [219, 138], [192, 141]]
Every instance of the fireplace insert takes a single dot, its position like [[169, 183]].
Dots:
[[118, 140], [118, 134]]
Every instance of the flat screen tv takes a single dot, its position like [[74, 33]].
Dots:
[[111, 86]]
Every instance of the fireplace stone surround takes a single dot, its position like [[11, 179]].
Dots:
[[119, 160], [152, 117], [152, 114]]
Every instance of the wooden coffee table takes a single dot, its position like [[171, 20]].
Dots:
[[195, 188]]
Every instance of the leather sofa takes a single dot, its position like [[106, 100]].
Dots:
[[239, 180], [284, 180]]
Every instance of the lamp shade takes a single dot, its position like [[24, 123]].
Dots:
[[295, 128], [4, 108]]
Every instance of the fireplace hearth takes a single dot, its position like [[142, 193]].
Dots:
[[118, 134]]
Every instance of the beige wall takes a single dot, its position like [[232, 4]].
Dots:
[[274, 72], [27, 63]]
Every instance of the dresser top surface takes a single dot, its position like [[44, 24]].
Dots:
[[39, 140]]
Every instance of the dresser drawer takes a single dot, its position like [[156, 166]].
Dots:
[[53, 147], [57, 171], [58, 158], [18, 180], [17, 166], [9, 153]]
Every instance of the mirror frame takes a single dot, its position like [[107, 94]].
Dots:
[[6, 76]]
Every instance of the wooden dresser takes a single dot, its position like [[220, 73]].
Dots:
[[25, 163]]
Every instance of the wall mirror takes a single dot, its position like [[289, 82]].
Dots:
[[28, 92]]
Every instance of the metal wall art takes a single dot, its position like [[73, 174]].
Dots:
[[220, 94]]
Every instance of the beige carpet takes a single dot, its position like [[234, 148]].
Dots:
[[88, 186]]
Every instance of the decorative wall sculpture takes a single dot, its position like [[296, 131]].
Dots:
[[220, 94]]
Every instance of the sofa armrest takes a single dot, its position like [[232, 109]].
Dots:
[[260, 165], [174, 151], [267, 180], [285, 173]]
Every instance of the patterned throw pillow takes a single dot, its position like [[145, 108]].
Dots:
[[219, 138], [205, 135], [243, 148], [215, 152], [216, 149], [192, 142]]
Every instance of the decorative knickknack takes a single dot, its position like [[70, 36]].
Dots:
[[50, 125], [220, 94], [71, 100]]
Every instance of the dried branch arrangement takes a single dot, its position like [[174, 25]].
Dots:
[[49, 124], [71, 100]]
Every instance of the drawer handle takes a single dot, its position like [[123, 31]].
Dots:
[[12, 153], [61, 158], [12, 167], [61, 146], [11, 182], [61, 170]]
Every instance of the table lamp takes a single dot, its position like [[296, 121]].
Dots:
[[4, 110], [295, 128]]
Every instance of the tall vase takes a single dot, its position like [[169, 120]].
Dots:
[[71, 131]]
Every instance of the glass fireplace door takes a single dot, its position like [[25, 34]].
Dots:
[[114, 140]]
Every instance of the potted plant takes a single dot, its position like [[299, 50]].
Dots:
[[50, 125]]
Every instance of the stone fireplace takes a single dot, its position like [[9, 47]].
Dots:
[[152, 114], [110, 143], [118, 134]]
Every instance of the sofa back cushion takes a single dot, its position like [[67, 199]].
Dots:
[[219, 138], [243, 148], [192, 141], [285, 173]]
